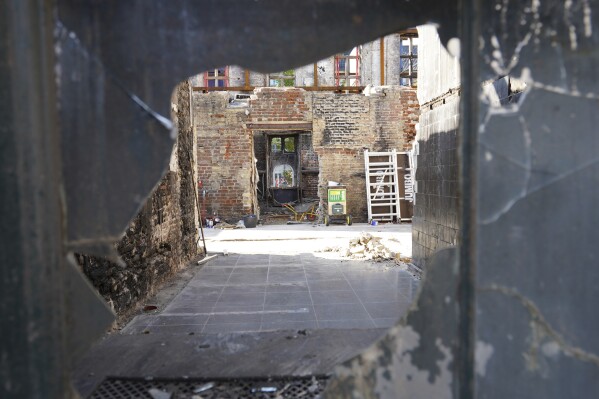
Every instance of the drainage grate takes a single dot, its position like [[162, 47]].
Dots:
[[279, 388]]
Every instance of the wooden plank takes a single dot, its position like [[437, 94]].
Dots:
[[206, 259]]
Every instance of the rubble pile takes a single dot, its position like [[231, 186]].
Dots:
[[368, 247]]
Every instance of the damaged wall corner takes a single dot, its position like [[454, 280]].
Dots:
[[162, 238]]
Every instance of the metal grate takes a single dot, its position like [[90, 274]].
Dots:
[[275, 388]]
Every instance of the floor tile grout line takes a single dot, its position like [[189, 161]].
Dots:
[[310, 294], [361, 303], [219, 296], [265, 289]]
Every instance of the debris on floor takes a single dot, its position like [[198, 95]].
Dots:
[[227, 226], [367, 247]]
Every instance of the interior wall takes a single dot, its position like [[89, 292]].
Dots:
[[343, 125], [346, 124], [435, 221], [225, 157], [162, 238]]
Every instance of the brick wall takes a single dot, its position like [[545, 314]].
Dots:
[[280, 104], [346, 124], [435, 221], [343, 125], [161, 239], [310, 163], [225, 157]]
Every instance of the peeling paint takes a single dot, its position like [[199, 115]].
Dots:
[[482, 354], [541, 329]]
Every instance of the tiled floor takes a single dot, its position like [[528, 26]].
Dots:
[[240, 293]]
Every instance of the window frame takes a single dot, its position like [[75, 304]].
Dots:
[[217, 77], [346, 75], [410, 73]]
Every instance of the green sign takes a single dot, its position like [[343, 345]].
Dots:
[[337, 195]]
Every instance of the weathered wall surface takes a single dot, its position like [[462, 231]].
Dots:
[[310, 166], [162, 238], [344, 125], [440, 70], [435, 221], [225, 157], [278, 104]]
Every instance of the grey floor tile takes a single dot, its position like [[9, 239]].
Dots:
[[244, 289], [254, 298], [297, 286], [182, 308], [333, 297], [379, 310], [252, 278], [287, 299], [386, 322], [138, 324], [210, 282], [235, 317], [230, 327], [251, 265], [276, 277], [286, 269], [197, 297], [325, 285], [215, 270], [384, 295], [340, 312], [220, 307], [176, 330], [288, 325], [276, 259], [370, 284], [364, 274], [252, 260], [287, 313], [404, 284], [323, 275], [175, 320], [250, 270], [201, 290], [345, 324], [213, 278], [223, 262]]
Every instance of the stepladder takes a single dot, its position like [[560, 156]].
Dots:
[[384, 185]]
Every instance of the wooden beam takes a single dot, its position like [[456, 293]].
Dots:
[[382, 59], [279, 125], [315, 74], [246, 78]]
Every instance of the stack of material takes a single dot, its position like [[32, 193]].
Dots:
[[368, 247]]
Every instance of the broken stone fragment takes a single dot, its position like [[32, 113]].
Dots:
[[357, 249], [365, 237]]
